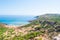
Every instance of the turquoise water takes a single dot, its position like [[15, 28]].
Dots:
[[15, 19]]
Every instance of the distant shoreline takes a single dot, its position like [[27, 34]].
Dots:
[[12, 26]]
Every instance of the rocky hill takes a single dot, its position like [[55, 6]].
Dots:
[[44, 27]]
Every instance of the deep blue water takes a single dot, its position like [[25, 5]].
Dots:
[[15, 19]]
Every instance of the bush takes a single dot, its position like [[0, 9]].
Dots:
[[2, 30], [32, 35]]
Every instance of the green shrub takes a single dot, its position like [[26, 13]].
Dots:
[[32, 35], [2, 30]]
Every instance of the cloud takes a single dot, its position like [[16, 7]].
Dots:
[[28, 12]]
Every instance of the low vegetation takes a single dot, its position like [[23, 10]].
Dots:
[[47, 26]]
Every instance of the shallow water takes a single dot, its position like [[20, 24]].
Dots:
[[15, 19]]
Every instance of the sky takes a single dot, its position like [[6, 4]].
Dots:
[[29, 7]]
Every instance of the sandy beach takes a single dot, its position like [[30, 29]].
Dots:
[[11, 26]]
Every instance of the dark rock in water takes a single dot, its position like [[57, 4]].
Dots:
[[3, 24]]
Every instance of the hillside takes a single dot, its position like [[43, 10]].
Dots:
[[51, 17], [44, 27], [50, 23]]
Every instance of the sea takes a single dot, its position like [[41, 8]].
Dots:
[[16, 19]]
